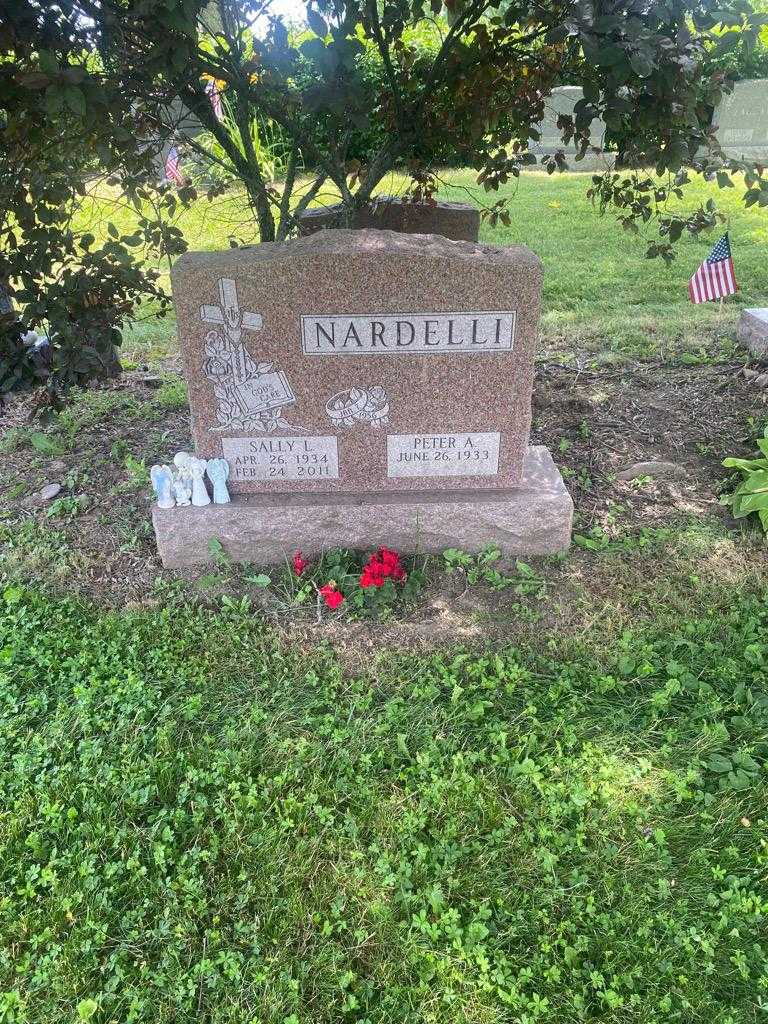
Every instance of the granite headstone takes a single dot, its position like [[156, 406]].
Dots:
[[752, 331], [741, 121], [460, 221], [364, 382], [562, 101]]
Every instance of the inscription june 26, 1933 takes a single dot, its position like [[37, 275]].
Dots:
[[472, 454]]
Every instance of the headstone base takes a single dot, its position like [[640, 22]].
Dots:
[[534, 518], [753, 331]]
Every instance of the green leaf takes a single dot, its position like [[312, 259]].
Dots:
[[641, 64], [720, 764], [86, 1008], [748, 465], [43, 444], [54, 100], [209, 580], [48, 62], [75, 100], [261, 580], [755, 502], [746, 762]]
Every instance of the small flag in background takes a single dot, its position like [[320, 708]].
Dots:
[[715, 277], [215, 98], [172, 172]]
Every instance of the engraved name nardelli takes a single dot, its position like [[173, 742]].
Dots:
[[408, 333]]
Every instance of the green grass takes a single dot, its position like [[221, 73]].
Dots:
[[600, 293], [201, 823]]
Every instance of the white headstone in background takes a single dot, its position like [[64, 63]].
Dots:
[[741, 120], [562, 101]]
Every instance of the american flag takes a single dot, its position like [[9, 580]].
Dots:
[[715, 277], [215, 98], [172, 172]]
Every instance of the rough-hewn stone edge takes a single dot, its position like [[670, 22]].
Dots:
[[532, 519], [753, 330], [346, 242]]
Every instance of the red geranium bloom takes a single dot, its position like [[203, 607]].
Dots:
[[385, 564], [372, 575], [299, 563], [331, 595], [391, 562]]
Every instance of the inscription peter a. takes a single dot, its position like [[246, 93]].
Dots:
[[416, 455]]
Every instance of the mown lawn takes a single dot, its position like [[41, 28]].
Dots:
[[204, 823], [600, 292]]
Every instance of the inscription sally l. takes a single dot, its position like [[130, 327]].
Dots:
[[407, 333], [282, 458]]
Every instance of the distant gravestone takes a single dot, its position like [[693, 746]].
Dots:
[[562, 101], [741, 121], [451, 220], [366, 387], [753, 331]]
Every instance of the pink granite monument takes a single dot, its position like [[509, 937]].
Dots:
[[365, 387]]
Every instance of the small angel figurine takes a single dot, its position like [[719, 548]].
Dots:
[[200, 495], [218, 472], [182, 487], [162, 482]]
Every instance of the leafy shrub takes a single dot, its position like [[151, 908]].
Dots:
[[751, 496]]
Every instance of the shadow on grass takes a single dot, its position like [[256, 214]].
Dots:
[[202, 816]]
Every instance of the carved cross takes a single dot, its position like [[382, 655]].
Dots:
[[229, 316]]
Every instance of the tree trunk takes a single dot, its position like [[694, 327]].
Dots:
[[6, 305]]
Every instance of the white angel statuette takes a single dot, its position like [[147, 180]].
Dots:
[[218, 472], [200, 495], [162, 482], [182, 478], [182, 487]]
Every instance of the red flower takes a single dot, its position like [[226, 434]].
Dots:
[[391, 563], [331, 595], [299, 563], [385, 564], [372, 576]]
